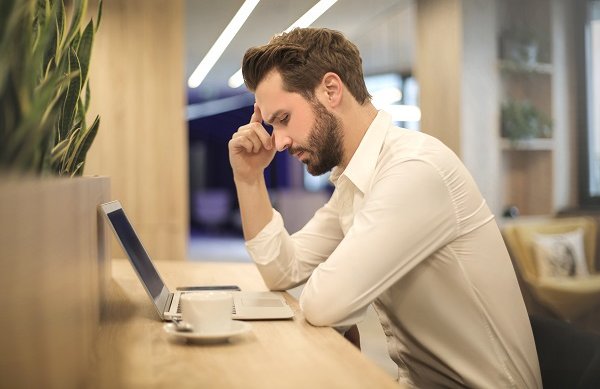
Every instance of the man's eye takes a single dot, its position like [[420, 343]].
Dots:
[[284, 119]]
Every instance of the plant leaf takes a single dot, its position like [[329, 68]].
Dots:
[[55, 49], [58, 151], [88, 96], [68, 157], [70, 104], [61, 20], [84, 51], [99, 14], [86, 141], [78, 169], [79, 9], [81, 116], [75, 41]]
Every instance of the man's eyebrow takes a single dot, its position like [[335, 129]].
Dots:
[[272, 118]]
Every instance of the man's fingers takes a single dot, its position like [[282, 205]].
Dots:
[[257, 115], [265, 138], [249, 138], [256, 144], [257, 133], [241, 143]]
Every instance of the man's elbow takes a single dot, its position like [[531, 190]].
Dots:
[[276, 286], [279, 285], [318, 314], [274, 280]]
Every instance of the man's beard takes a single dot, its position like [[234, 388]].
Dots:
[[325, 142]]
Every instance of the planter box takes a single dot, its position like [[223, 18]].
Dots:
[[54, 268]]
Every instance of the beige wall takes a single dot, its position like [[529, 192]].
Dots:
[[457, 74], [480, 149], [138, 88], [438, 67], [564, 103]]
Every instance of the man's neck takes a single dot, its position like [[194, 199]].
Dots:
[[356, 121]]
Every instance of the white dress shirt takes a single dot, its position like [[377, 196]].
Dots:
[[408, 230]]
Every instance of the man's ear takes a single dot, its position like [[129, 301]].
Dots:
[[333, 87]]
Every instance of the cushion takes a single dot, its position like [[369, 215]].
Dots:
[[560, 255]]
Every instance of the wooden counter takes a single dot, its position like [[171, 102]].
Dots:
[[133, 350]]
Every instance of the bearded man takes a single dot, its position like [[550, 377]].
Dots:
[[406, 229]]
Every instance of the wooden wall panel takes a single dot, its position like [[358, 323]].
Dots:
[[528, 179], [456, 69], [438, 67], [138, 88]]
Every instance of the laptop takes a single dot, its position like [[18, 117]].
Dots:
[[246, 305]]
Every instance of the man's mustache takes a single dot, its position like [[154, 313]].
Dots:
[[296, 150]]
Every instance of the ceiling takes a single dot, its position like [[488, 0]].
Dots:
[[382, 29]]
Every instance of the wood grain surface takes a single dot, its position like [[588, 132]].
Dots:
[[134, 351]]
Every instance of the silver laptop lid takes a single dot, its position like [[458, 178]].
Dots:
[[154, 285]]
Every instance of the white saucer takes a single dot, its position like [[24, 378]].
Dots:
[[237, 328]]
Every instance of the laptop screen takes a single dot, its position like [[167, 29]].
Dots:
[[138, 255]]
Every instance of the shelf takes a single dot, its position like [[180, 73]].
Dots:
[[539, 144], [517, 67], [526, 75]]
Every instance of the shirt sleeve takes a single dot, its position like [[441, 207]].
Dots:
[[408, 215], [285, 260]]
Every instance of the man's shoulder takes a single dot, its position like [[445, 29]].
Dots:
[[402, 143], [402, 147]]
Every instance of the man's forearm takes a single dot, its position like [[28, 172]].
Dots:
[[255, 206]]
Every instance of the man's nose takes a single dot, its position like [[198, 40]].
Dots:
[[282, 142]]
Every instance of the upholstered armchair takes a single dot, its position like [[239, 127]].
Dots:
[[571, 287]]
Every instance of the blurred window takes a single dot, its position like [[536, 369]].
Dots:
[[591, 141]]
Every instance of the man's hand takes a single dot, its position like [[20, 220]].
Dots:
[[251, 149]]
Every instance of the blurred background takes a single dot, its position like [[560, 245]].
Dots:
[[508, 85]]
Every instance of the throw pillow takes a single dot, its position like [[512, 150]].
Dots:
[[560, 255]]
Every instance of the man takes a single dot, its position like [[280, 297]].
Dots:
[[406, 228]]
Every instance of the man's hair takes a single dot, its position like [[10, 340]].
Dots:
[[302, 57]]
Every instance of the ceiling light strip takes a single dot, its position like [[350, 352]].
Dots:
[[221, 43], [312, 14], [305, 20]]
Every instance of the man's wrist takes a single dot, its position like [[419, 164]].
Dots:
[[249, 181]]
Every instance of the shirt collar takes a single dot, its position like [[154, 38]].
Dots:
[[362, 164]]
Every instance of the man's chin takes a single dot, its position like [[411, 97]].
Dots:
[[315, 170], [310, 169]]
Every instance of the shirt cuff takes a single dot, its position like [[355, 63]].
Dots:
[[261, 248]]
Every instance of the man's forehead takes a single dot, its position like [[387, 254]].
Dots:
[[271, 82], [271, 98], [269, 89]]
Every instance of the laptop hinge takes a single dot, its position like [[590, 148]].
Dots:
[[167, 307]]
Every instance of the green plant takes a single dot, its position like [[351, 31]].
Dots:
[[44, 87], [522, 120]]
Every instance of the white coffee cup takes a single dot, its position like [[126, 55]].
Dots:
[[208, 312]]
